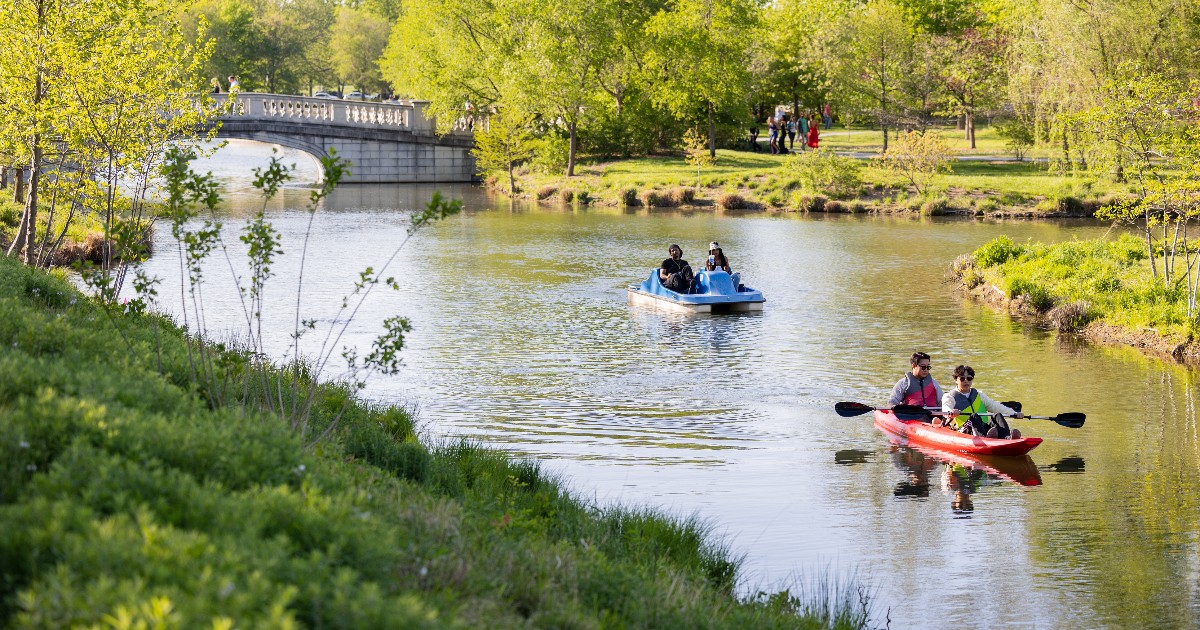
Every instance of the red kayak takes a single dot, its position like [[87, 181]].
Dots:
[[925, 434]]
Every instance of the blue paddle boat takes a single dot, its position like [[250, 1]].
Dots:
[[715, 292]]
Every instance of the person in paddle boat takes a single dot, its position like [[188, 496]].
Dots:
[[675, 272], [917, 386], [971, 411], [717, 260]]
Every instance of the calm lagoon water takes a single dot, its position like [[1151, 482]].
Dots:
[[523, 339]]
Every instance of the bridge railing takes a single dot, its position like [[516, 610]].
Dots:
[[257, 106]]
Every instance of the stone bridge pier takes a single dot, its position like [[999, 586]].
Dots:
[[385, 143]]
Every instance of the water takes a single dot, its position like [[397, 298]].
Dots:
[[523, 339]]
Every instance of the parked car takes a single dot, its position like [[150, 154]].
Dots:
[[355, 96], [325, 95]]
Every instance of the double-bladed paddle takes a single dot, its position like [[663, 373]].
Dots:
[[1070, 419]]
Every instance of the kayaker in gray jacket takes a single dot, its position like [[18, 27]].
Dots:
[[917, 386]]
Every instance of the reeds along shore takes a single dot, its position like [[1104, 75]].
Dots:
[[131, 494]]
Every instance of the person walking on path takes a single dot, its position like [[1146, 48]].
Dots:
[[791, 131], [773, 133], [827, 116], [802, 129], [814, 132]]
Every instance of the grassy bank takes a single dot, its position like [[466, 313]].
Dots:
[[128, 498], [772, 182], [1101, 289]]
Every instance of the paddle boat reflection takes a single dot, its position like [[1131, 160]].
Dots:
[[713, 292]]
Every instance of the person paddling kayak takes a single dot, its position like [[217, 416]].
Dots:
[[917, 386], [968, 407]]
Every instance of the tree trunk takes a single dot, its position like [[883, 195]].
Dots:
[[712, 133], [971, 128], [31, 200], [571, 151], [3, 177], [19, 185], [885, 138]]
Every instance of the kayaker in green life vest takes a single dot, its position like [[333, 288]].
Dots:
[[971, 411], [917, 386]]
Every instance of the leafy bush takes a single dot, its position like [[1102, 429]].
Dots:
[[550, 154], [546, 192], [937, 206], [997, 252], [1017, 135], [833, 205], [917, 157], [823, 171], [1036, 294], [628, 196]]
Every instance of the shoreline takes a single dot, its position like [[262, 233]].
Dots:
[[1147, 341]]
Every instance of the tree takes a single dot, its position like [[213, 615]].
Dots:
[[95, 90], [503, 142], [1149, 123], [875, 46], [699, 56], [357, 43]]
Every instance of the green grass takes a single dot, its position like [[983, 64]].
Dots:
[[987, 141], [128, 499], [765, 179], [1108, 281]]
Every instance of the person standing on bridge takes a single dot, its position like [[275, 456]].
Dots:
[[216, 85], [234, 86]]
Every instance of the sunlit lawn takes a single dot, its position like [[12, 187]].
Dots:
[[987, 141], [1028, 179]]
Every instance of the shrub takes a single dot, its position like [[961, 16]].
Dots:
[[628, 196], [683, 195], [997, 252], [10, 215], [1072, 316], [550, 153], [774, 199], [824, 172], [917, 157], [657, 199], [546, 192], [858, 207], [987, 206], [964, 268], [731, 201], [1037, 295], [1017, 134], [834, 205], [937, 206], [567, 195]]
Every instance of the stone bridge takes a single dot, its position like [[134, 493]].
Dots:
[[385, 143]]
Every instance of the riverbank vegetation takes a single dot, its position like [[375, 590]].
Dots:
[[822, 182], [1101, 289], [130, 499]]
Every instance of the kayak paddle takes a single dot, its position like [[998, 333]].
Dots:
[[852, 409], [1070, 419]]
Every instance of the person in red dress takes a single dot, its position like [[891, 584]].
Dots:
[[814, 132]]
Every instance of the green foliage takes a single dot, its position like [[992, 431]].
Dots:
[[1017, 134], [997, 252], [823, 172], [356, 42], [129, 499], [550, 153], [917, 157], [1038, 296]]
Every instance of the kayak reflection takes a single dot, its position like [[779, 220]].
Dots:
[[963, 475]]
